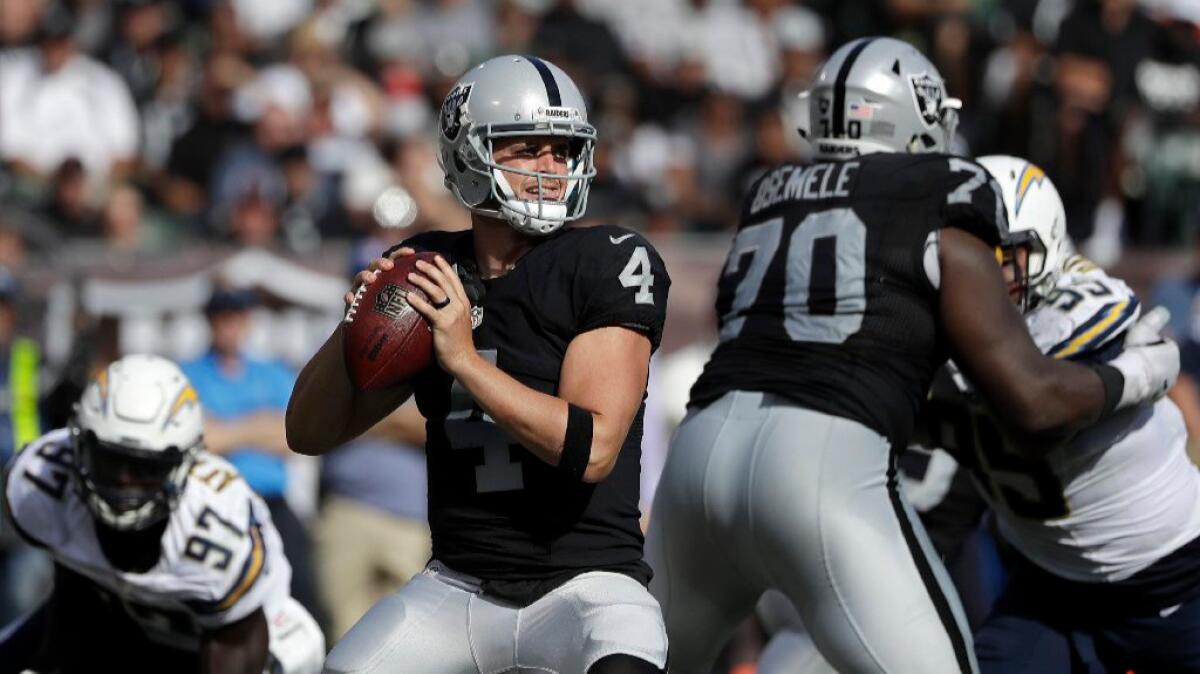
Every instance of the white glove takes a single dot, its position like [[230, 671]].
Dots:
[[1148, 329], [1149, 362]]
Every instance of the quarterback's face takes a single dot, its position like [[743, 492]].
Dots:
[[547, 155]]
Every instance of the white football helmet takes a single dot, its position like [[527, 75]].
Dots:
[[136, 432], [1036, 218], [515, 96], [878, 94]]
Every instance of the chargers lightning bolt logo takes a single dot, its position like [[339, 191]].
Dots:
[[1029, 176]]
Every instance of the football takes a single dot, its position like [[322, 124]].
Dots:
[[386, 341]]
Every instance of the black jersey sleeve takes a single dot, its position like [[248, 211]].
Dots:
[[972, 200], [620, 281]]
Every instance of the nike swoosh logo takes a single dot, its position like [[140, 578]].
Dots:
[[618, 239]]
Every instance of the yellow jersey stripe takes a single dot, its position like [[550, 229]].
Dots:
[[1076, 344], [253, 570]]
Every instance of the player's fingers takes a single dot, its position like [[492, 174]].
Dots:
[[1149, 327], [432, 291], [363, 277], [435, 274], [381, 264], [401, 252], [422, 307], [456, 286], [1156, 319]]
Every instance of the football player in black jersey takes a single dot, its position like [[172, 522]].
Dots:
[[849, 282], [543, 335]]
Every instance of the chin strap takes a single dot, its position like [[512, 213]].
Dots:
[[538, 218]]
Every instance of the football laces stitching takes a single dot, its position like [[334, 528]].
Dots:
[[353, 308]]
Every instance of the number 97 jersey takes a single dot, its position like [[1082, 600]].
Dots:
[[829, 294], [221, 557]]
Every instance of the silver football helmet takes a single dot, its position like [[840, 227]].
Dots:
[[515, 96], [879, 94]]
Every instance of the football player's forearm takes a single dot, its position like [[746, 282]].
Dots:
[[536, 420], [321, 403], [1055, 399], [326, 410], [1034, 395], [238, 648]]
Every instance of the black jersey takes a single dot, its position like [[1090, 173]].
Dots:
[[496, 511], [825, 298]]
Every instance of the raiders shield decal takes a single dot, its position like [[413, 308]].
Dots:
[[927, 92], [452, 109]]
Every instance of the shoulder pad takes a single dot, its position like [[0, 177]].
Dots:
[[1078, 264], [434, 241], [619, 280], [38, 487], [1086, 311], [222, 542], [972, 200]]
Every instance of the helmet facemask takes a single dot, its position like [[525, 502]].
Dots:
[[125, 488], [947, 126], [536, 217], [1031, 275]]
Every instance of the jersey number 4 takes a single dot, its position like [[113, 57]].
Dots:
[[825, 279], [467, 427]]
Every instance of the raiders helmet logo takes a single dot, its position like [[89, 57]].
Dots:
[[452, 109], [927, 92]]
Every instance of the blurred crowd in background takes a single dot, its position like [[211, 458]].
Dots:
[[163, 140], [152, 124]]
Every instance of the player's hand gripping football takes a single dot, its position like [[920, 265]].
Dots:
[[1149, 362], [448, 312], [369, 274]]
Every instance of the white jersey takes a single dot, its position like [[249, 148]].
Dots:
[[1120, 495], [221, 556]]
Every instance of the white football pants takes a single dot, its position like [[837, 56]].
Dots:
[[441, 623]]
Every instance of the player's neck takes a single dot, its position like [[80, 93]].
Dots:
[[131, 551], [498, 246]]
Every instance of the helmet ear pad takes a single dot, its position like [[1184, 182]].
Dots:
[[474, 184]]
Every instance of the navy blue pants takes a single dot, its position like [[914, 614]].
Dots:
[[1045, 625]]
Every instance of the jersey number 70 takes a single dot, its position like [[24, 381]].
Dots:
[[824, 295]]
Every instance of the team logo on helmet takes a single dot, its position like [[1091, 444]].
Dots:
[[1031, 175], [452, 109], [927, 92]]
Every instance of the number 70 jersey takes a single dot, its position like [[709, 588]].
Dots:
[[829, 294]]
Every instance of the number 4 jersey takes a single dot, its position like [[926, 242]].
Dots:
[[829, 294], [496, 511], [221, 558]]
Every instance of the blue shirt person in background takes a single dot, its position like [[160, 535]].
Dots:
[[245, 399]]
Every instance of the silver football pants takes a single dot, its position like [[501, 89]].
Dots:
[[441, 623], [759, 493]]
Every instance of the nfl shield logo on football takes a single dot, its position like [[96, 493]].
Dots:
[[476, 316], [927, 92], [452, 109]]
